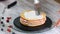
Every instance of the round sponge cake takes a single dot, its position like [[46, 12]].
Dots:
[[29, 18]]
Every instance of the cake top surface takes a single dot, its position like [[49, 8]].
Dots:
[[30, 15]]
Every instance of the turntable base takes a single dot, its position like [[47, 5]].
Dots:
[[17, 23]]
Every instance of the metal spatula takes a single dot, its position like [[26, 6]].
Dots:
[[37, 7]]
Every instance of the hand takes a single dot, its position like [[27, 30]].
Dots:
[[57, 24]]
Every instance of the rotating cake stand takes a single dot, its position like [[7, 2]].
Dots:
[[46, 25]]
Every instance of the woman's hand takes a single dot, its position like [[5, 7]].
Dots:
[[57, 23]]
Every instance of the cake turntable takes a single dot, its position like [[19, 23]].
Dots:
[[47, 24]]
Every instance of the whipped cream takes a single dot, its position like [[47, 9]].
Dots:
[[31, 15]]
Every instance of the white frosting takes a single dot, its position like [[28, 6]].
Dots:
[[32, 15]]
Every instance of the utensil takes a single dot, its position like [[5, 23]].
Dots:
[[37, 7]]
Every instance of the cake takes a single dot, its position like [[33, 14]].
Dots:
[[29, 18]]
